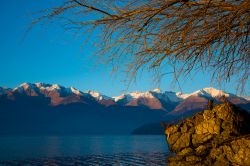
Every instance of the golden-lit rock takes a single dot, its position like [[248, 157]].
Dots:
[[182, 142], [172, 140], [193, 159], [201, 150], [211, 126], [185, 151], [200, 138], [220, 136], [208, 114]]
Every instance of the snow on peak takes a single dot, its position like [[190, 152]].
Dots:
[[58, 88], [182, 96], [28, 88], [49, 87], [55, 87], [135, 95], [41, 87], [23, 87], [98, 95], [169, 96], [25, 84], [173, 96], [75, 91], [117, 98], [157, 90], [209, 92], [215, 92]]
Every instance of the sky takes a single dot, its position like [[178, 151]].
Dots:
[[50, 54]]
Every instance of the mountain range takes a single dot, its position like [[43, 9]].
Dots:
[[42, 108]]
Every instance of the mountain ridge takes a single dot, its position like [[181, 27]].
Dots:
[[213, 92], [153, 99], [42, 108]]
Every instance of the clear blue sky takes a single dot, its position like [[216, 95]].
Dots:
[[49, 54]]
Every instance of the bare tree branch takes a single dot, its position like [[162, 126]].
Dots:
[[211, 35]]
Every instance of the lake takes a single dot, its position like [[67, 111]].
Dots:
[[83, 150]]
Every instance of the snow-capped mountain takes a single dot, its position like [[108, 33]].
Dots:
[[197, 100], [52, 108], [57, 94], [170, 96], [102, 99], [98, 96], [139, 98], [208, 93], [46, 89], [154, 99]]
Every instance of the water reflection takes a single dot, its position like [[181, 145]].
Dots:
[[121, 150], [123, 159]]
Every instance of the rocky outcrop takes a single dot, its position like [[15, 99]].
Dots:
[[220, 136]]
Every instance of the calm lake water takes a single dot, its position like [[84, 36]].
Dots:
[[83, 150]]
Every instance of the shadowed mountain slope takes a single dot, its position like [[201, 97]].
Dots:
[[53, 109]]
